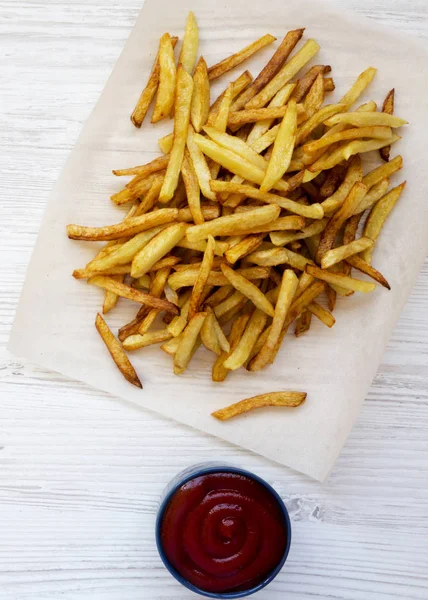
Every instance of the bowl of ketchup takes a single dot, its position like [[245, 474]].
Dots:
[[222, 531]]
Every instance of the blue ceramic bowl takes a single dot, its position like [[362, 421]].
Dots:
[[203, 469]]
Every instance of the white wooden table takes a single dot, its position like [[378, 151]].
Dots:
[[81, 472]]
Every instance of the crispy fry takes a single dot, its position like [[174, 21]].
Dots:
[[285, 297], [248, 289], [134, 342], [315, 97], [378, 216], [279, 256], [116, 352], [289, 399], [157, 164], [280, 224], [331, 298], [200, 165], [199, 246], [110, 298], [380, 133], [243, 349], [331, 257], [181, 124], [167, 79], [311, 212], [282, 149], [329, 85], [332, 181], [233, 224], [123, 229], [366, 119], [187, 341], [202, 277], [322, 314], [373, 195], [241, 117], [363, 80], [361, 265], [347, 209], [244, 247], [285, 74], [125, 291], [236, 59], [222, 116], [192, 189], [179, 323], [344, 281], [118, 270], [187, 278], [209, 334], [149, 91], [382, 172], [200, 106], [158, 246], [271, 68], [189, 49], [282, 238], [219, 372], [388, 108]]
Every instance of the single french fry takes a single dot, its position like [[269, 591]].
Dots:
[[282, 149], [286, 294], [188, 277], [233, 224], [289, 399], [242, 117], [187, 341], [331, 257], [347, 209], [116, 352], [222, 339], [165, 143], [388, 108], [280, 224], [279, 256], [285, 74], [356, 285], [366, 119], [322, 314], [202, 277], [315, 97], [113, 271], [200, 165], [191, 184], [380, 133], [181, 124], [200, 106], [361, 265], [331, 298], [282, 238], [189, 49], [271, 68], [209, 334], [110, 298], [378, 216], [126, 228], [244, 247], [147, 95], [236, 59], [219, 372], [382, 172], [311, 212], [157, 248], [157, 164], [373, 195], [167, 79], [136, 341], [199, 246], [363, 80], [329, 85], [179, 322], [248, 289], [303, 323], [222, 116], [151, 198]]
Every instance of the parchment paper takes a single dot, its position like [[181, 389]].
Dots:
[[54, 325]]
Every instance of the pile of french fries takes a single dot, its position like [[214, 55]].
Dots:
[[251, 213]]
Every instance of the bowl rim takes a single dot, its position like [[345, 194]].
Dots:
[[221, 469]]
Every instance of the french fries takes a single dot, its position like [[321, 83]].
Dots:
[[116, 352], [236, 59], [249, 215], [289, 399], [167, 79]]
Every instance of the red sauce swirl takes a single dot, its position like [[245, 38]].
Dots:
[[223, 532]]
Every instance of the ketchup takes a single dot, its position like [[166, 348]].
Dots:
[[223, 532]]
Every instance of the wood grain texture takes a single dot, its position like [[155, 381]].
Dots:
[[81, 472]]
